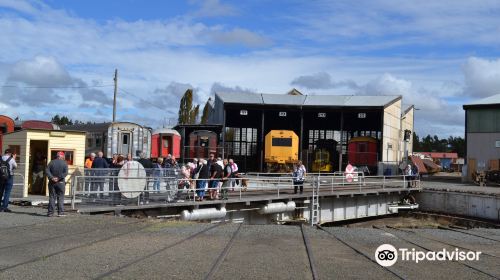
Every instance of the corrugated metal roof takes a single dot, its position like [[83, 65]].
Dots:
[[439, 155], [494, 99], [88, 127], [243, 97], [283, 99], [309, 100], [420, 164]]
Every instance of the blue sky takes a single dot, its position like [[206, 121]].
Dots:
[[60, 56]]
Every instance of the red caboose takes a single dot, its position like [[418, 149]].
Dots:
[[202, 143], [165, 141], [363, 151]]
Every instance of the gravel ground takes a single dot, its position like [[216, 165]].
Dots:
[[486, 263], [367, 240], [265, 252], [335, 260], [85, 247]]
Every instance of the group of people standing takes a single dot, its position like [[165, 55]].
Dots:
[[215, 175]]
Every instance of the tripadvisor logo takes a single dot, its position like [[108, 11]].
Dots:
[[388, 255]]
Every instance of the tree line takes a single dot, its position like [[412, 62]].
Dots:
[[434, 144]]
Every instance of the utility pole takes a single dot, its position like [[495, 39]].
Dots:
[[114, 97]]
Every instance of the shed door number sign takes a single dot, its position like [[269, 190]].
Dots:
[[361, 115], [243, 112], [321, 115], [282, 114]]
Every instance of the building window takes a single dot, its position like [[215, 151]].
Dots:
[[241, 141], [98, 140], [67, 153]]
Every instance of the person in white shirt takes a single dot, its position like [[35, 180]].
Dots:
[[234, 174]]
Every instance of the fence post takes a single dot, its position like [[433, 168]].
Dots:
[[332, 183], [73, 193], [279, 181]]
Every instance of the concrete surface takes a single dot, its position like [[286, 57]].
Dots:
[[459, 187], [33, 246]]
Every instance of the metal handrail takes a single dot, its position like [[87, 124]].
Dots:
[[254, 184]]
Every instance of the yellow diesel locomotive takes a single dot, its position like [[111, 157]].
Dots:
[[281, 150]]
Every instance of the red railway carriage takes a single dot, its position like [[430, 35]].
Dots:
[[363, 151], [6, 126], [165, 141], [202, 143]]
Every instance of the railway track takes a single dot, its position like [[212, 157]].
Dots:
[[469, 233], [137, 260], [436, 240], [61, 235], [310, 256], [429, 249], [222, 256], [392, 271], [86, 244]]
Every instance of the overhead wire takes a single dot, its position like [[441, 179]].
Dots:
[[55, 87], [141, 99]]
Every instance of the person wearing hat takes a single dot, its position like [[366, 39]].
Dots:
[[57, 170]]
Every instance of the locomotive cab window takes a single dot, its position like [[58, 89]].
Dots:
[[282, 142], [203, 141]]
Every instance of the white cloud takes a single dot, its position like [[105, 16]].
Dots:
[[322, 80], [482, 77], [19, 5], [44, 81], [387, 84], [40, 71], [434, 114], [413, 23], [213, 8], [239, 36]]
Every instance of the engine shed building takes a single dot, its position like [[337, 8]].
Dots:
[[482, 134], [246, 118]]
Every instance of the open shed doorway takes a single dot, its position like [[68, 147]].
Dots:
[[37, 165]]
